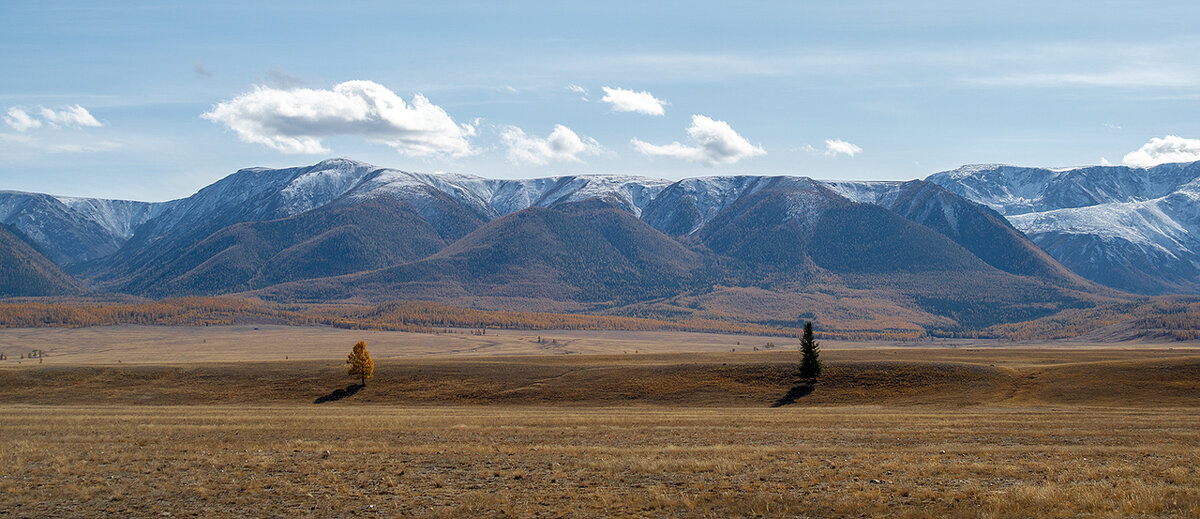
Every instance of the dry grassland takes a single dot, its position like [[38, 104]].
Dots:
[[190, 344], [448, 430], [221, 461]]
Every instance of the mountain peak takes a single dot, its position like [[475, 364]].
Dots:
[[342, 161]]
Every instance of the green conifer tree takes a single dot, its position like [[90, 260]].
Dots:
[[810, 364]]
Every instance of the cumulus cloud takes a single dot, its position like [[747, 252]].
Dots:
[[20, 120], [562, 145], [833, 147], [713, 142], [73, 116], [840, 147], [1171, 148], [76, 116], [295, 120], [623, 100]]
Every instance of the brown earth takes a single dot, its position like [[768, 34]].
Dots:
[[891, 377]]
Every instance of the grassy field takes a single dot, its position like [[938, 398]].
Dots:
[[448, 429], [190, 344], [214, 461]]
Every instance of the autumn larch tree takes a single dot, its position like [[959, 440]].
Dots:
[[810, 365], [360, 362]]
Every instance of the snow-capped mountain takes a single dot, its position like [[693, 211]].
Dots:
[[73, 230], [1129, 228], [263, 194], [453, 204], [765, 246]]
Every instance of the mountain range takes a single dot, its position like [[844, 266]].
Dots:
[[949, 253], [1134, 229]]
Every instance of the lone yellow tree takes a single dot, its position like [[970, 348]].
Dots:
[[360, 362]]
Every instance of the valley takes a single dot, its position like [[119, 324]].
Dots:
[[508, 260]]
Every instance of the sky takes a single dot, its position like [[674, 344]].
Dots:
[[154, 100]]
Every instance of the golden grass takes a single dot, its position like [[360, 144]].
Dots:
[[262, 342], [891, 432], [222, 461], [181, 344]]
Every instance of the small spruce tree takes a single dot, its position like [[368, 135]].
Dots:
[[810, 365], [360, 362]]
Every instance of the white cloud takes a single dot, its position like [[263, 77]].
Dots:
[[295, 120], [562, 145], [1171, 148], [715, 143], [839, 147], [76, 116], [20, 120], [833, 147], [583, 93], [623, 100]]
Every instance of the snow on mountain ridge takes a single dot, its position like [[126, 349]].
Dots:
[[1130, 228], [120, 217], [321, 185], [863, 192], [1017, 190], [498, 197]]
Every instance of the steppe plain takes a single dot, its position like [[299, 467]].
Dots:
[[262, 421]]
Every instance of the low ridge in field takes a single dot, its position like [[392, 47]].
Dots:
[[939, 376]]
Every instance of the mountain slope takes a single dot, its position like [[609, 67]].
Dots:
[[801, 237], [1127, 228], [587, 252], [770, 250], [787, 237], [787, 222], [74, 230], [255, 194], [979, 229], [195, 240], [26, 272], [333, 240]]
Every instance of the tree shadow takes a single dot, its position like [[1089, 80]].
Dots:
[[800, 390], [339, 394]]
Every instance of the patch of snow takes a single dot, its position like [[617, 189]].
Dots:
[[321, 185], [863, 192]]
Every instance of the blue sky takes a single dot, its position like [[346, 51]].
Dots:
[[175, 95]]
